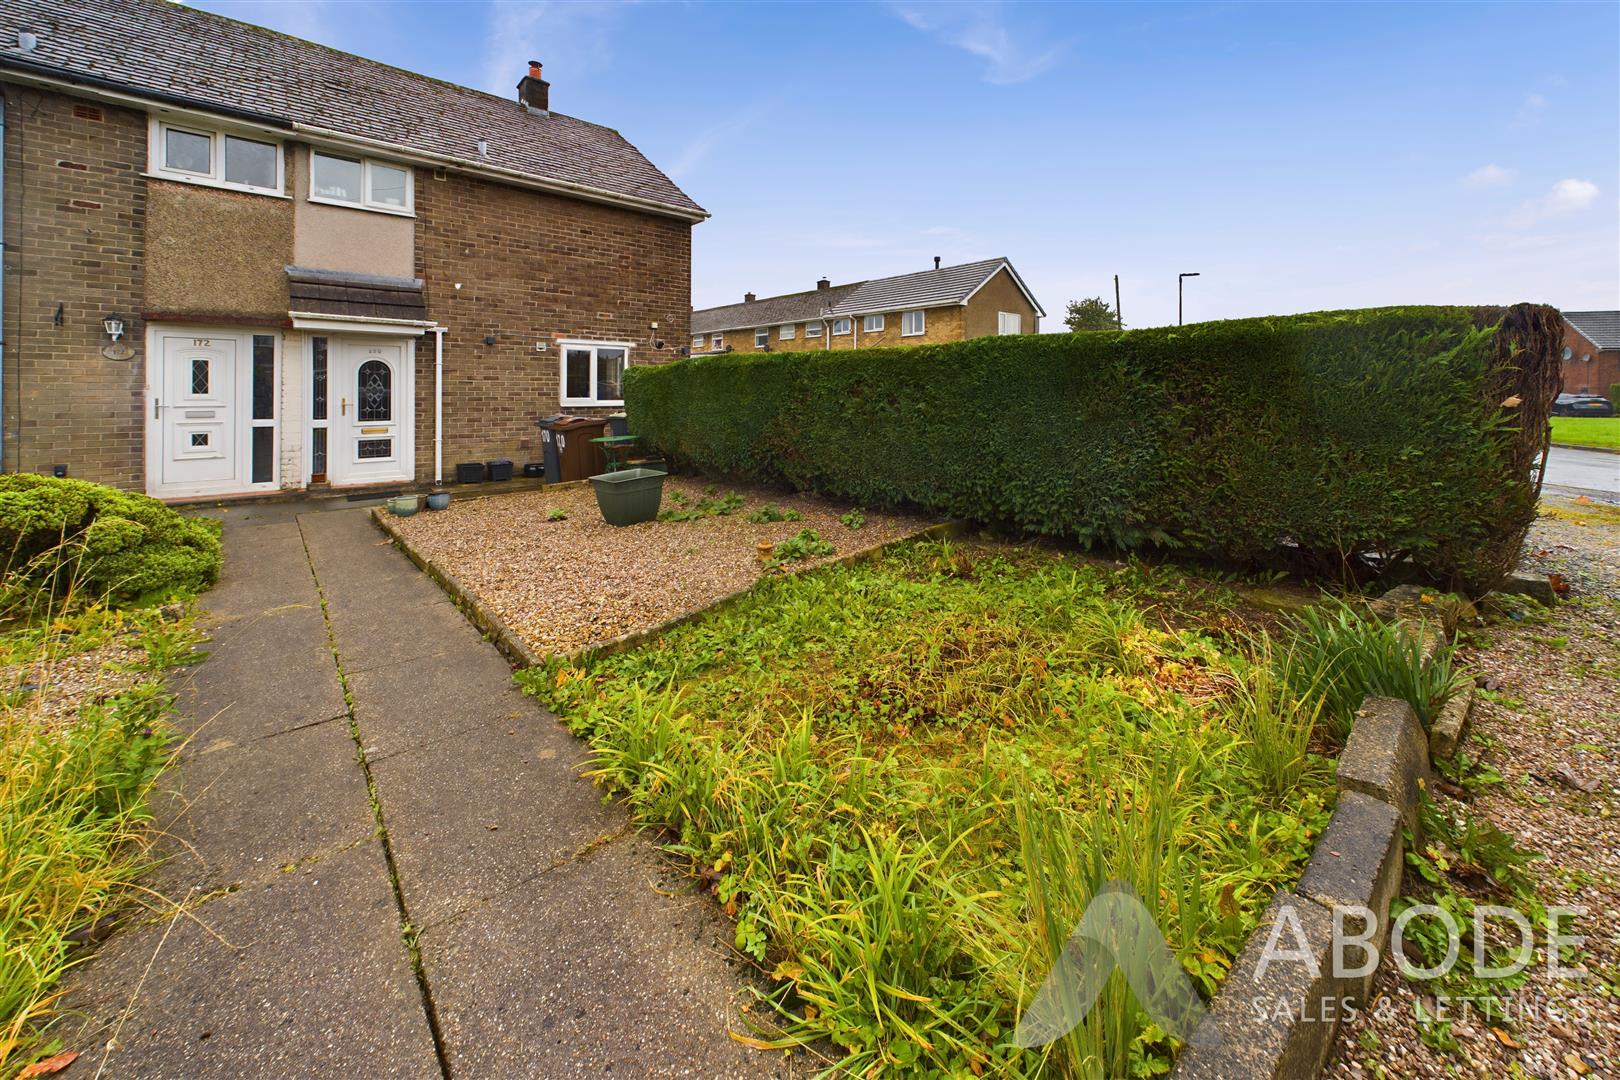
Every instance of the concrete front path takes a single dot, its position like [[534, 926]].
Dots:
[[380, 860]]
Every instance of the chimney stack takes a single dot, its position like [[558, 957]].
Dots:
[[534, 92], [936, 262], [823, 284], [749, 298]]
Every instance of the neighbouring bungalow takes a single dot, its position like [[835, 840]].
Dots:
[[947, 303], [238, 262], [1591, 356]]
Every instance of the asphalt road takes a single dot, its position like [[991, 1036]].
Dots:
[[1589, 471]]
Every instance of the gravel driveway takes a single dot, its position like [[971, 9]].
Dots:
[[1555, 708], [563, 584]]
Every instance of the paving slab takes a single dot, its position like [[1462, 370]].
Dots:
[[414, 704], [302, 975], [473, 816], [591, 970], [242, 812]]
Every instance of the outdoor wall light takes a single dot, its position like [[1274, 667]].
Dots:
[[114, 326]]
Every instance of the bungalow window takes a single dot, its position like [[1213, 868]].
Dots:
[[812, 329], [200, 156], [840, 326], [360, 182], [1009, 322], [697, 342], [762, 338], [593, 372], [719, 341], [912, 323], [786, 332], [873, 324]]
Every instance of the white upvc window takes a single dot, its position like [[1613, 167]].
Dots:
[[203, 155], [593, 372], [840, 326], [873, 324], [1009, 322], [719, 341], [365, 183], [697, 342], [812, 329], [912, 323], [786, 331], [762, 337]]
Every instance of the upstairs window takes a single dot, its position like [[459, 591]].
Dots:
[[199, 155], [873, 324], [360, 182], [912, 323], [762, 338]]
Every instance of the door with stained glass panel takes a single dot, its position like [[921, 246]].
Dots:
[[369, 406]]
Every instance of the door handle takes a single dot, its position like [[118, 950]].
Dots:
[[157, 408], [343, 407]]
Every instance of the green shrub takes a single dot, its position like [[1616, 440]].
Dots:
[[115, 545], [1304, 440]]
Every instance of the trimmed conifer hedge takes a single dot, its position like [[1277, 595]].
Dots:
[[1407, 432]]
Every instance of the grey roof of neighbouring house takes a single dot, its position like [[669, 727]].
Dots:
[[182, 56], [791, 307], [923, 289], [928, 288], [1601, 328]]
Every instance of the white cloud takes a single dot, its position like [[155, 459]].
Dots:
[[1530, 110], [573, 40], [1566, 197], [1488, 176], [1012, 55], [699, 147]]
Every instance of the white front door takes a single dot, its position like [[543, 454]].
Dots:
[[210, 412], [371, 384]]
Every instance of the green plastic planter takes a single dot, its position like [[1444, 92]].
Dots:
[[629, 496]]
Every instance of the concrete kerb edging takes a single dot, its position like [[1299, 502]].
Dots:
[[1276, 1016], [492, 626]]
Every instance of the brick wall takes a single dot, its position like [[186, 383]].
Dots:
[[75, 207], [1593, 376], [533, 267], [981, 316]]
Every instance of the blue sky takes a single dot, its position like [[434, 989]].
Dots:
[[1298, 156]]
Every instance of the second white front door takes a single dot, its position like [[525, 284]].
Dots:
[[372, 387]]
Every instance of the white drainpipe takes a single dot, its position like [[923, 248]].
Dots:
[[438, 404]]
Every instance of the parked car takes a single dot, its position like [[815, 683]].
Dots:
[[1582, 405]]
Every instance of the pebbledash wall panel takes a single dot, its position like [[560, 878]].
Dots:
[[533, 268], [75, 213]]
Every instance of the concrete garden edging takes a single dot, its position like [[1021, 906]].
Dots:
[[493, 627], [1276, 1015]]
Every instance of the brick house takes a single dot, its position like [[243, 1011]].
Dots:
[[1591, 356], [947, 303], [240, 262]]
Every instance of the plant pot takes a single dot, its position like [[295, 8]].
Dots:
[[629, 496], [403, 505], [438, 500]]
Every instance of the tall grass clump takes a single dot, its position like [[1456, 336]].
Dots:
[[1344, 655], [74, 782], [905, 779]]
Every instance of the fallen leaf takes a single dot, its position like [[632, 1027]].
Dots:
[[1571, 778], [1574, 1062], [1511, 402], [1505, 1039], [53, 1064], [1559, 585]]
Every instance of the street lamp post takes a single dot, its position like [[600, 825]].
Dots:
[[1179, 279]]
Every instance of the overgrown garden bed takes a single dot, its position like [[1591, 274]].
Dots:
[[905, 779]]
